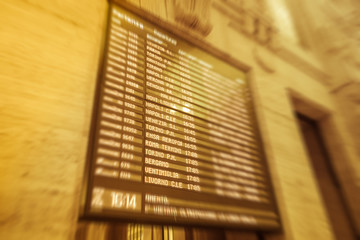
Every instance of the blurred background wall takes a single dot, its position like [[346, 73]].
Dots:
[[303, 55]]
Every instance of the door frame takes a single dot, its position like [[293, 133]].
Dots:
[[334, 135]]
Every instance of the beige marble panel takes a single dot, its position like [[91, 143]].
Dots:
[[49, 57]]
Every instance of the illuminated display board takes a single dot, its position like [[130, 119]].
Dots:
[[174, 137]]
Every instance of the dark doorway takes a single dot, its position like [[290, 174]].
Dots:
[[327, 181]]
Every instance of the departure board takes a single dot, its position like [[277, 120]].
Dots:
[[174, 138]]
